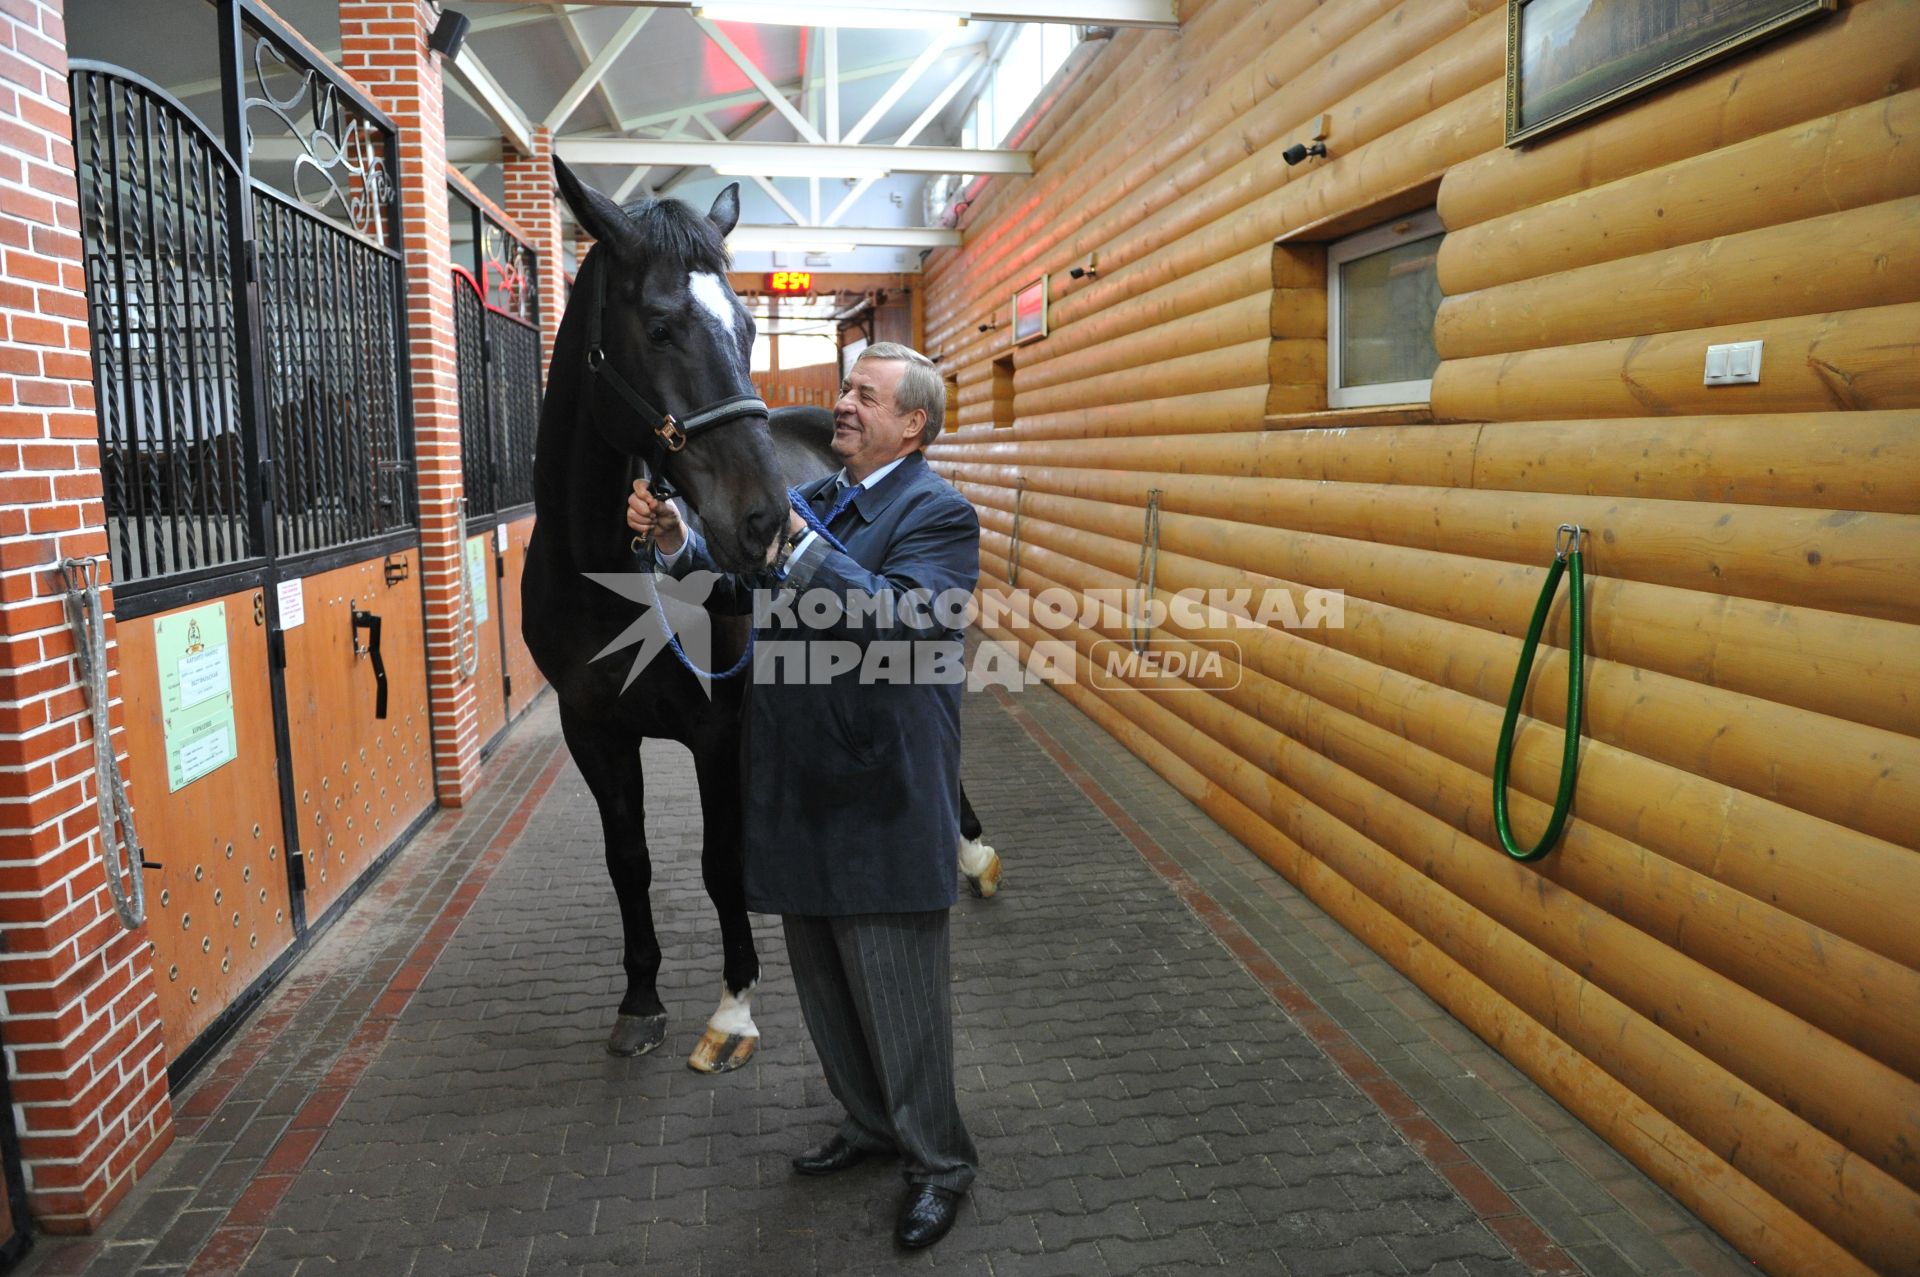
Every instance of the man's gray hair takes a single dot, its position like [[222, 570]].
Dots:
[[921, 385]]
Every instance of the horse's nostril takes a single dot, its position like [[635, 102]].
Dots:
[[764, 524]]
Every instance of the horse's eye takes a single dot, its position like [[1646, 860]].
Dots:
[[658, 334]]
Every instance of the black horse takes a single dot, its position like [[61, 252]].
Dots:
[[652, 363], [653, 341]]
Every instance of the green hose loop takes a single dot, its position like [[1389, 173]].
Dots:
[[1566, 553]]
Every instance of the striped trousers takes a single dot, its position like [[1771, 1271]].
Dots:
[[874, 989]]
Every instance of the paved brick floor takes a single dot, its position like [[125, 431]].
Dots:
[[1171, 1063]]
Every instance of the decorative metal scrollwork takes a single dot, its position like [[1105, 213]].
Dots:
[[341, 170], [507, 271]]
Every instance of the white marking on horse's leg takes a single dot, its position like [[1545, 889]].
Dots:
[[975, 856], [712, 292], [735, 1015]]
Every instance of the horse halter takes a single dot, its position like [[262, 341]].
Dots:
[[671, 434]]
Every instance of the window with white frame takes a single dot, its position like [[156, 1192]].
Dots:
[[1382, 295]]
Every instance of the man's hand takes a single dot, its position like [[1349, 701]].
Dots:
[[649, 516]]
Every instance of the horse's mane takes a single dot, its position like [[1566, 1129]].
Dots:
[[673, 230]]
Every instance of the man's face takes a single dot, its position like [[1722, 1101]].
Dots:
[[867, 430]]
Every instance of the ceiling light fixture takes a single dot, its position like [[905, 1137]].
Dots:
[[819, 15]]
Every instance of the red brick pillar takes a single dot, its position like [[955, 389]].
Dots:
[[84, 1050], [534, 203], [384, 47]]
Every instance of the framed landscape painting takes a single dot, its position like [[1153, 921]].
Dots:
[[1567, 59]]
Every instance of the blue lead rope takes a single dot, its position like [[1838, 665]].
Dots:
[[814, 522]]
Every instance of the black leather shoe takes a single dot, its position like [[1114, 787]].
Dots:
[[926, 1216], [835, 1155]]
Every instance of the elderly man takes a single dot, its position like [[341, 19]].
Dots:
[[852, 779]]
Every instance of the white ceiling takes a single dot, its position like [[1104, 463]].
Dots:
[[537, 51]]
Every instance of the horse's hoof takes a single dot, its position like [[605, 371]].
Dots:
[[636, 1034], [981, 869], [721, 1052]]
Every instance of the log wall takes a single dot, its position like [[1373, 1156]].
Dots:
[[1716, 969]]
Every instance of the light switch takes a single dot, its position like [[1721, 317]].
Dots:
[[1734, 363]]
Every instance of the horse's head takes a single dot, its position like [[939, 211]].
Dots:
[[667, 338]]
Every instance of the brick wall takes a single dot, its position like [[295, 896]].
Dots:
[[80, 1019], [534, 205], [384, 48]]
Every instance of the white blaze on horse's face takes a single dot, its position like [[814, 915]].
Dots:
[[717, 299]]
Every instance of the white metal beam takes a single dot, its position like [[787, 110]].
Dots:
[[1097, 13], [759, 80], [897, 90], [744, 98], [501, 109], [816, 238], [772, 191], [593, 76], [914, 130], [795, 157]]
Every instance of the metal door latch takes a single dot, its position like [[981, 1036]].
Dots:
[[370, 622]]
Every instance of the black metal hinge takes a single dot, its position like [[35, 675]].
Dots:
[[508, 680]]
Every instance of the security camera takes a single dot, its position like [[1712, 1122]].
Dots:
[[1088, 269], [986, 328], [1300, 151]]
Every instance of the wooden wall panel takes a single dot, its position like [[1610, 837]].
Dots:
[[359, 780], [218, 907], [1715, 968]]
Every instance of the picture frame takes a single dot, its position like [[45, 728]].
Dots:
[[1570, 59], [1030, 312]]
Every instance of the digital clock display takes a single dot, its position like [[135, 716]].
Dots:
[[790, 281]]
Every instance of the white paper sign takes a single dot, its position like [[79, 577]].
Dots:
[[201, 756], [203, 674], [477, 578], [293, 604], [500, 537]]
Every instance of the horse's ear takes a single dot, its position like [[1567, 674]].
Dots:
[[599, 216], [725, 213]]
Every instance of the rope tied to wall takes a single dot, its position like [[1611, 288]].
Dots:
[[1140, 610], [1013, 541], [120, 854], [1566, 555]]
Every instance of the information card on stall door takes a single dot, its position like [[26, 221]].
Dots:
[[293, 603], [196, 692], [478, 561]]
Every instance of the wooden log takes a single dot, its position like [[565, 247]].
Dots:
[[1117, 382], [1516, 930], [1856, 461], [1860, 55], [1183, 75], [1850, 260], [1376, 724], [1699, 1176], [1087, 320], [1863, 155], [1298, 39], [1818, 660], [1388, 75], [1235, 323], [1864, 564], [1850, 361], [1728, 738], [1208, 413], [1298, 312], [1406, 672]]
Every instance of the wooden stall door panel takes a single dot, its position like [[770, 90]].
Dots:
[[489, 693], [218, 908], [358, 780], [522, 673]]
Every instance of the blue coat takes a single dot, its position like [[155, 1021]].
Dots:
[[852, 778]]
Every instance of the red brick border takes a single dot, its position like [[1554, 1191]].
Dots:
[[1499, 1212], [227, 1250]]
